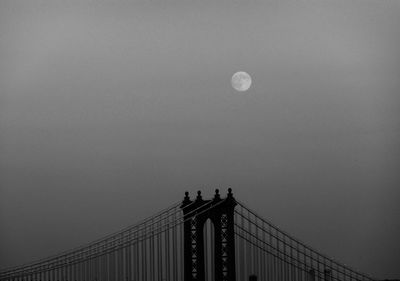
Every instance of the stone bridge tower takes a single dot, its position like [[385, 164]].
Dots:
[[221, 213]]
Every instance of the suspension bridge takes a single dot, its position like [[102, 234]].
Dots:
[[219, 239]]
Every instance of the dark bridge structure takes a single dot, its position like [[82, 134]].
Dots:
[[219, 239]]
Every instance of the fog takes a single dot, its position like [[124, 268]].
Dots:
[[111, 110]]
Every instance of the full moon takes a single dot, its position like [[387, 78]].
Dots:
[[241, 81]]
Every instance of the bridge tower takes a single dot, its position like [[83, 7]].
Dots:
[[196, 213]]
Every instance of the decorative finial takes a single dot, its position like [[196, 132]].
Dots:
[[186, 200], [216, 196], [230, 192], [199, 195]]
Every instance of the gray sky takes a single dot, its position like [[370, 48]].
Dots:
[[110, 110]]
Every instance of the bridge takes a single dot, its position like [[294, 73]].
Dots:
[[219, 239]]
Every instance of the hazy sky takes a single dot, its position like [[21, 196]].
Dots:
[[110, 110]]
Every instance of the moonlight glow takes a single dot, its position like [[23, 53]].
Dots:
[[241, 81]]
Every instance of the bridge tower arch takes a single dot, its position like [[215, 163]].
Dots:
[[221, 213]]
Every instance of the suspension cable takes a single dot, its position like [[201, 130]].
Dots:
[[82, 257], [300, 242]]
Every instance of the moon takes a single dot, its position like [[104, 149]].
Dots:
[[241, 81]]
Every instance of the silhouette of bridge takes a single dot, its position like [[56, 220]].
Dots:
[[194, 240]]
